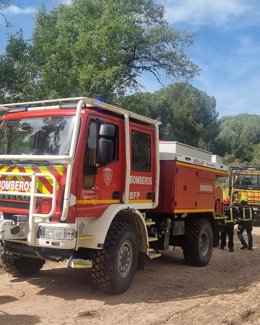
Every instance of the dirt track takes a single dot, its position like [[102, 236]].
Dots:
[[168, 291]]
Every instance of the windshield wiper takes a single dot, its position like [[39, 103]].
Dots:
[[34, 162], [7, 162]]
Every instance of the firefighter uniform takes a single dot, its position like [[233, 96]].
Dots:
[[245, 223], [228, 230]]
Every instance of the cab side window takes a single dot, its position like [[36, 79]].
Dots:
[[141, 151], [98, 133]]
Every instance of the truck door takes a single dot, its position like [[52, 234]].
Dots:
[[142, 174], [101, 184]]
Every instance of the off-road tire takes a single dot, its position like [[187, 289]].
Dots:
[[114, 266], [21, 266], [198, 242]]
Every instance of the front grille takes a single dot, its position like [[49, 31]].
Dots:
[[15, 205]]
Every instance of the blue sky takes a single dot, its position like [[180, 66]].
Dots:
[[226, 46]]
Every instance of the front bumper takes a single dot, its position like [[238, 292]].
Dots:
[[47, 234]]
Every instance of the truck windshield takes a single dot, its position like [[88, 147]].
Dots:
[[247, 181], [36, 136]]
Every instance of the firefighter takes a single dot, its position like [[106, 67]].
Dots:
[[229, 228], [245, 223]]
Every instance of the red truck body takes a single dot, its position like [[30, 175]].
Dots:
[[186, 189]]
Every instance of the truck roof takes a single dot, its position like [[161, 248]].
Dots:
[[64, 103]]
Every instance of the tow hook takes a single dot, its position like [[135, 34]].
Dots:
[[15, 229]]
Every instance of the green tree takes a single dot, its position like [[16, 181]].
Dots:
[[101, 48], [141, 103], [256, 155], [187, 114], [192, 116], [17, 81], [239, 138]]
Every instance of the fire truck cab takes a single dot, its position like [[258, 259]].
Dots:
[[80, 180], [245, 182]]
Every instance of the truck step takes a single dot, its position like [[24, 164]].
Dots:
[[153, 254], [84, 237], [152, 239], [149, 222], [78, 263]]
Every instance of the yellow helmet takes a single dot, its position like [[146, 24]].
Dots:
[[244, 199]]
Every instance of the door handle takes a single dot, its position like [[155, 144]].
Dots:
[[149, 196], [116, 195]]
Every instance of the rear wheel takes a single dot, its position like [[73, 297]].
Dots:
[[198, 242], [21, 266], [114, 266]]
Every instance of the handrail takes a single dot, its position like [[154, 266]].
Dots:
[[32, 193], [127, 157], [88, 101], [74, 141]]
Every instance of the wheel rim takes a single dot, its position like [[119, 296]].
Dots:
[[204, 244], [125, 259]]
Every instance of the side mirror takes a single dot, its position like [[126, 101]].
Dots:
[[105, 151], [106, 137], [107, 131]]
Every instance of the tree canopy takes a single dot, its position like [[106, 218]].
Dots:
[[16, 73], [187, 114], [239, 139], [101, 48]]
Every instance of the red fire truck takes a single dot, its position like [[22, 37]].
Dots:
[[90, 183]]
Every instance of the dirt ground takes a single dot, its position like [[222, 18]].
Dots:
[[227, 291]]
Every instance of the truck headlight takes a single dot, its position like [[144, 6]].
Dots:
[[56, 233]]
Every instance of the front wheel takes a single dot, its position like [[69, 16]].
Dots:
[[198, 242], [21, 266], [114, 266]]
